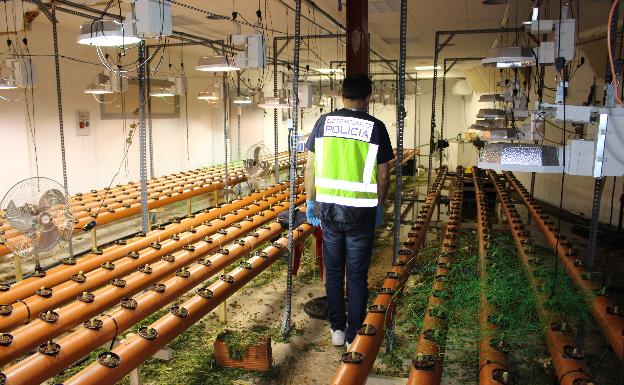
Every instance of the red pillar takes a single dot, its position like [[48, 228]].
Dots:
[[357, 37]]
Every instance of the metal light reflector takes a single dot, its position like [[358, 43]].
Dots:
[[166, 90], [509, 57], [490, 98], [242, 100], [488, 124], [208, 95], [163, 93], [101, 86], [491, 113], [106, 33], [274, 102], [216, 64], [522, 157], [329, 71], [7, 84], [499, 134]]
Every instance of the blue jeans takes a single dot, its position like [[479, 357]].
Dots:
[[349, 245]]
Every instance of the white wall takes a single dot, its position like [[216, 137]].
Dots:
[[93, 160]]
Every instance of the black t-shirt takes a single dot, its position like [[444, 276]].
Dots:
[[380, 137]]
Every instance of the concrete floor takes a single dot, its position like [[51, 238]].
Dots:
[[310, 358]]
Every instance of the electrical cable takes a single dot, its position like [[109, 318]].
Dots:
[[563, 80], [618, 98]]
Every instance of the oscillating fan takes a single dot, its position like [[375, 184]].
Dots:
[[38, 218], [258, 166]]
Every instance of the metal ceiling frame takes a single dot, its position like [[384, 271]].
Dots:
[[439, 46]]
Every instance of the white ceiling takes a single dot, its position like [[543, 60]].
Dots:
[[425, 18]]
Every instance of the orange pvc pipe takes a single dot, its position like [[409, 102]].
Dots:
[[560, 343], [428, 362], [39, 367], [136, 350], [493, 369], [158, 197], [39, 331], [62, 273], [369, 338], [33, 306], [604, 309]]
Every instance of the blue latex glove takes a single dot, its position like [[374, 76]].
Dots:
[[311, 214], [379, 216]]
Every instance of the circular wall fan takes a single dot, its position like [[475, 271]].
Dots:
[[37, 218], [258, 165]]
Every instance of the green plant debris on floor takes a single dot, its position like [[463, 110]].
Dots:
[[507, 289], [239, 341]]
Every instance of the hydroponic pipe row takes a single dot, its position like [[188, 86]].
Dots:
[[50, 298], [608, 315], [112, 366], [98, 331], [29, 336], [358, 361], [71, 267], [567, 360], [493, 369], [428, 362], [165, 184], [124, 207]]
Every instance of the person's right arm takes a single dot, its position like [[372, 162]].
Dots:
[[309, 178], [383, 182]]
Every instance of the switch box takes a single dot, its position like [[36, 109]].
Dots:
[[84, 123]]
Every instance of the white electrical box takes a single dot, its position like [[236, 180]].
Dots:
[[305, 94], [613, 162], [83, 127], [152, 18], [118, 83], [254, 55], [580, 157], [24, 72]]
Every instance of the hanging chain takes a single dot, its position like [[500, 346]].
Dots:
[[434, 92], [400, 115], [142, 139], [292, 149], [226, 136], [59, 101], [275, 131], [150, 143]]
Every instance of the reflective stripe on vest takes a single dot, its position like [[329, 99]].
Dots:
[[346, 163]]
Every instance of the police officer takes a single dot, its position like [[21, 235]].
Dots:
[[347, 178]]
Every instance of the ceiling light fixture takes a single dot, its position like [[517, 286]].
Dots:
[[106, 33], [169, 88], [98, 89], [208, 95], [7, 84], [491, 98], [242, 100], [522, 157], [491, 113], [427, 68], [216, 64], [274, 102], [329, 71], [163, 93], [509, 57], [100, 86]]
